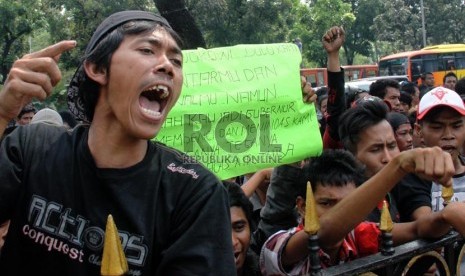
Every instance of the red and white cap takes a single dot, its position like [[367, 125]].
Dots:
[[440, 96]]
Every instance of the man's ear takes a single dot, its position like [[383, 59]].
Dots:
[[418, 129], [95, 73], [300, 204]]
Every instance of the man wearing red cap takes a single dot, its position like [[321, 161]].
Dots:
[[441, 122]]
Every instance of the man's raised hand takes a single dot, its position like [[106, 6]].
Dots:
[[32, 76], [333, 39]]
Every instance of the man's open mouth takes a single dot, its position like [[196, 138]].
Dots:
[[236, 256], [153, 100], [449, 148]]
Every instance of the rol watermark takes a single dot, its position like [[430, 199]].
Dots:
[[238, 126]]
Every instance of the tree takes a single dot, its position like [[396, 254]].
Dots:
[[77, 19], [325, 14], [231, 22], [399, 25], [359, 37], [398, 28], [444, 21], [182, 21], [19, 19]]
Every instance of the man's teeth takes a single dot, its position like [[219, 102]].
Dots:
[[161, 88], [164, 94], [151, 112]]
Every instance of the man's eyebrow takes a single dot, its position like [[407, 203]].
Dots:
[[157, 42], [458, 121], [377, 144], [433, 121], [327, 199]]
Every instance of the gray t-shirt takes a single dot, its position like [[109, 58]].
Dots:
[[459, 192]]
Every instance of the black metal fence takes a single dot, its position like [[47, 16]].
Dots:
[[413, 258]]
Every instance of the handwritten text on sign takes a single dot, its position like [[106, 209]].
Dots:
[[241, 110]]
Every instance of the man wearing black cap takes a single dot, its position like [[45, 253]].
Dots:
[[57, 187]]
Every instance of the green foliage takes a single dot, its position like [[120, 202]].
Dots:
[[444, 21], [231, 22], [58, 99], [358, 35], [324, 15], [77, 19], [19, 19], [398, 27]]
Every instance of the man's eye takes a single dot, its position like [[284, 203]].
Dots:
[[324, 203], [177, 62], [146, 51], [239, 227]]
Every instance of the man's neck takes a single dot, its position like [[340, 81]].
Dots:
[[113, 150], [459, 167]]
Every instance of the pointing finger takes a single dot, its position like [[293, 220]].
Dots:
[[53, 51]]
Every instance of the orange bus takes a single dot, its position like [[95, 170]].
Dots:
[[318, 76], [355, 72], [438, 59]]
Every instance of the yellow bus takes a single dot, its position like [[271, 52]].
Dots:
[[438, 59]]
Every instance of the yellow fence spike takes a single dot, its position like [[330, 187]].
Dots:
[[447, 193], [385, 223], [114, 261], [312, 223]]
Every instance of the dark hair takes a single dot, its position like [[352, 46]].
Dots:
[[26, 109], [320, 100], [68, 118], [237, 198], [102, 53], [321, 91], [449, 74], [460, 87], [378, 88], [405, 98], [397, 119], [408, 87], [355, 120], [352, 94], [412, 117], [424, 91], [332, 168], [423, 76]]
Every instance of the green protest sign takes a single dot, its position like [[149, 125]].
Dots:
[[241, 109]]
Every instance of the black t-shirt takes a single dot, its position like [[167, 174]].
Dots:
[[172, 214], [411, 193], [375, 215]]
